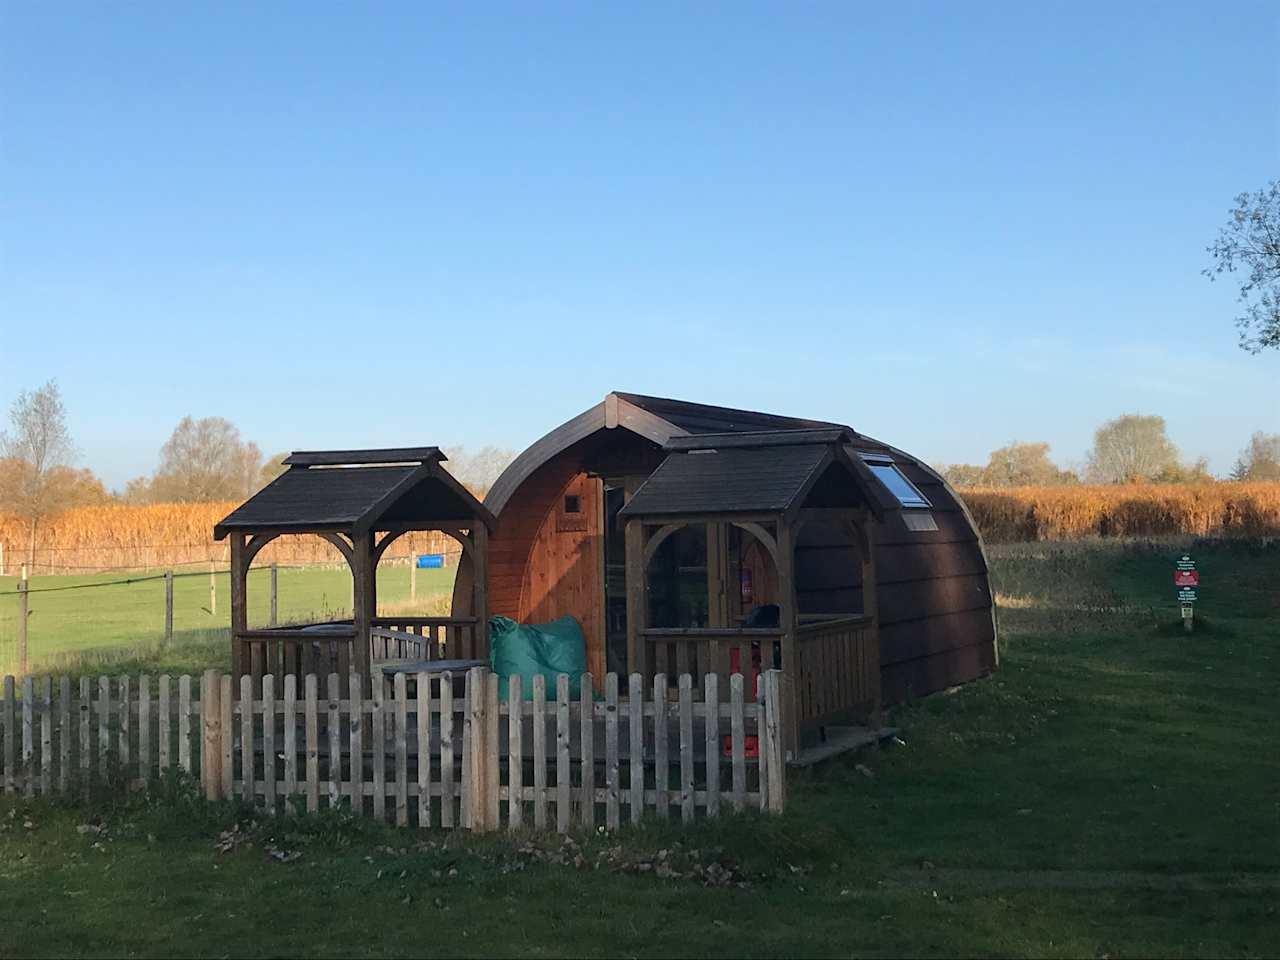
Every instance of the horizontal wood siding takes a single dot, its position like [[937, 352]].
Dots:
[[933, 592], [934, 598], [537, 572], [914, 678], [563, 574]]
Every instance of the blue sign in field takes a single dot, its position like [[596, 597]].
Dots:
[[430, 561]]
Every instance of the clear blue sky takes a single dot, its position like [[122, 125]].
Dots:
[[950, 225]]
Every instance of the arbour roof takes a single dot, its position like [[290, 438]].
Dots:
[[769, 471], [353, 491]]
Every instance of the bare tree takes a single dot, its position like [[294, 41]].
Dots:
[[272, 467], [1260, 460], [1250, 242], [963, 474], [1018, 464], [205, 459], [1131, 448], [39, 452], [1015, 464], [478, 471]]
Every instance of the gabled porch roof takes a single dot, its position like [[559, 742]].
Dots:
[[354, 491], [773, 471]]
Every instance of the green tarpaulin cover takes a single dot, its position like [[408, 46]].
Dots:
[[528, 649]]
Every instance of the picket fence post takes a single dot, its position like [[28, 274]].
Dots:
[[772, 751], [211, 724], [476, 756]]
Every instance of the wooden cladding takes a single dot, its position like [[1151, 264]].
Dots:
[[564, 572], [839, 675], [702, 651]]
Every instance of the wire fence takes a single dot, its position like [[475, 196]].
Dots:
[[61, 552], [181, 617]]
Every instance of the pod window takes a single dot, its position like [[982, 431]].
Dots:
[[895, 481]]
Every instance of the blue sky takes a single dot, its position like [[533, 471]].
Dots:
[[950, 225]]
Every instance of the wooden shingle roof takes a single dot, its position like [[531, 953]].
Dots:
[[353, 491], [702, 418], [753, 472]]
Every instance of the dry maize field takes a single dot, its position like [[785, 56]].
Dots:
[[121, 537], [1210, 510], [162, 536]]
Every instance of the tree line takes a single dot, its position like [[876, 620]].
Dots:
[[203, 459], [1129, 449]]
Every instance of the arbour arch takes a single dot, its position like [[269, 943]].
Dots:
[[361, 502]]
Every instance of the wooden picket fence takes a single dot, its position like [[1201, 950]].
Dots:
[[424, 750]]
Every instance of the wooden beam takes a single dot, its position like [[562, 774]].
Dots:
[[659, 520], [256, 543], [480, 589], [717, 574], [364, 602], [637, 591], [764, 536], [787, 619], [655, 540], [343, 545], [871, 607], [239, 605], [323, 458]]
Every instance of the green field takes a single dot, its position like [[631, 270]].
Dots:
[[1111, 791], [85, 622]]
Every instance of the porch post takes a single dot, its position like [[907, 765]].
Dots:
[[637, 591], [871, 606], [787, 620], [480, 587], [717, 574], [364, 603], [239, 606]]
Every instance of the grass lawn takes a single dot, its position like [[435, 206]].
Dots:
[[94, 622], [1111, 791]]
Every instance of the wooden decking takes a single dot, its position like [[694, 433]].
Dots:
[[840, 740]]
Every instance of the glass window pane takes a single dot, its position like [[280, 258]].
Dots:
[[897, 484]]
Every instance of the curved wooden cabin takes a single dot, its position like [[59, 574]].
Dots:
[[559, 546]]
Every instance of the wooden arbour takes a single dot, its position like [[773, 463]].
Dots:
[[360, 501], [830, 662]]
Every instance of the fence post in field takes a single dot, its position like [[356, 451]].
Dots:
[[213, 590], [476, 760], [168, 607], [211, 741], [22, 624], [275, 593], [773, 753], [413, 577]]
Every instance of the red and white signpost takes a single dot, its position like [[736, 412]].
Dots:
[[1187, 580]]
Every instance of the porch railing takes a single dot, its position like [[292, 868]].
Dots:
[[838, 678], [701, 650], [428, 638], [324, 648], [319, 648]]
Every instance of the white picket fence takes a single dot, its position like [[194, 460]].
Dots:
[[423, 750]]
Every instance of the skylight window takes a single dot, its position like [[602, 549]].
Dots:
[[895, 481]]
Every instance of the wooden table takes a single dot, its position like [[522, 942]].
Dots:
[[411, 668]]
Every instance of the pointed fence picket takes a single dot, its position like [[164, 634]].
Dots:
[[424, 750]]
